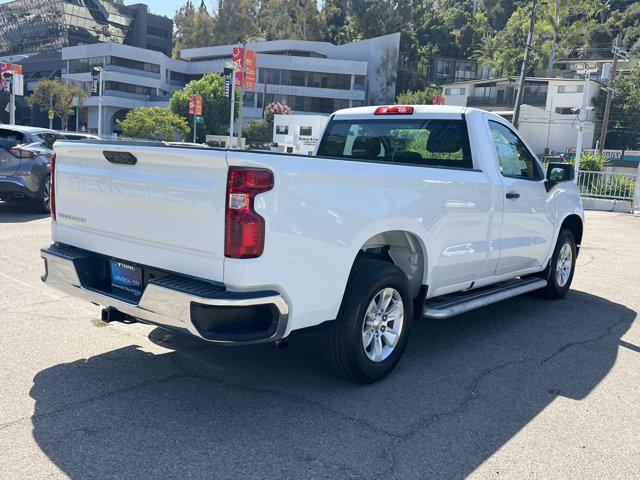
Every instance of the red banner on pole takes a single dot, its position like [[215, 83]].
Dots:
[[195, 105], [238, 58], [250, 69]]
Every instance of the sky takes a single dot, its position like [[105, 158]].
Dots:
[[164, 7]]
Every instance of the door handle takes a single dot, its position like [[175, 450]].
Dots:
[[513, 195]]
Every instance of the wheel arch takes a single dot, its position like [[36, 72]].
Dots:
[[575, 225], [402, 248]]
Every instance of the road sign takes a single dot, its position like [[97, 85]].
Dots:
[[51, 112], [195, 105], [199, 119]]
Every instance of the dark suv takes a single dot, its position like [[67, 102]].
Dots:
[[25, 155]]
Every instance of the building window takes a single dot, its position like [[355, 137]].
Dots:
[[306, 131], [465, 70], [249, 99], [359, 82], [282, 129], [157, 32], [455, 91], [570, 88], [357, 103], [306, 104], [134, 64], [444, 68], [298, 78], [83, 65], [128, 88], [565, 110]]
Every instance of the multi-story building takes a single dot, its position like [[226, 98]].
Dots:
[[311, 77], [549, 114], [33, 33], [28, 26]]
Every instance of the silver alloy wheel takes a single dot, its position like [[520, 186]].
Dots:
[[382, 324], [564, 265], [46, 193]]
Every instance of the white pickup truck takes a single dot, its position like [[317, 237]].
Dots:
[[403, 212]]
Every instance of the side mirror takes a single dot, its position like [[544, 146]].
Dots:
[[559, 172]]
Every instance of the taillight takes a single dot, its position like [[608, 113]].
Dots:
[[22, 153], [244, 228], [394, 110], [52, 190]]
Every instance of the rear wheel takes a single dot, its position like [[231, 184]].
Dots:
[[559, 272], [369, 336], [43, 202]]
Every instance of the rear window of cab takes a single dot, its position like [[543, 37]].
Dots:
[[426, 142]]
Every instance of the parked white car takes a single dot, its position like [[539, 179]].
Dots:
[[403, 212]]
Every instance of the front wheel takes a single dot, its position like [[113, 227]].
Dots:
[[367, 339], [559, 272]]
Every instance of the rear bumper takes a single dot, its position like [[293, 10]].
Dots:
[[15, 186], [206, 311]]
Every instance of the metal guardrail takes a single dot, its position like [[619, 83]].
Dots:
[[610, 185]]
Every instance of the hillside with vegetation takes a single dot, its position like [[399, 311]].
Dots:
[[495, 35]]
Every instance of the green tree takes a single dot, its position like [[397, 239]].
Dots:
[[258, 131], [57, 96], [297, 19], [333, 19], [215, 108], [624, 123], [418, 97], [237, 20], [154, 123], [193, 28]]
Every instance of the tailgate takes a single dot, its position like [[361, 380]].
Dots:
[[165, 211]]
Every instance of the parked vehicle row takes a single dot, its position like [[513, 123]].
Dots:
[[25, 154], [403, 212]]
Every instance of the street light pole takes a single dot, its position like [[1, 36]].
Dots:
[[100, 103], [233, 103]]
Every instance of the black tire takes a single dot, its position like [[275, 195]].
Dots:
[[42, 202], [554, 290], [342, 341]]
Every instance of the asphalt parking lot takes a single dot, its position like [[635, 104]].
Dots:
[[523, 389]]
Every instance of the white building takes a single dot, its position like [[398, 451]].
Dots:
[[311, 77], [298, 133], [550, 110]]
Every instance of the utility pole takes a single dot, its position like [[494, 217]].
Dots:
[[617, 52], [523, 71], [552, 53]]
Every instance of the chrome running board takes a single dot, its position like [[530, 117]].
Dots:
[[454, 304]]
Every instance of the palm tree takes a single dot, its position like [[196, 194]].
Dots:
[[487, 55]]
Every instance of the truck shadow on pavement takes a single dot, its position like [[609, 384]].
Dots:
[[464, 388], [19, 212]]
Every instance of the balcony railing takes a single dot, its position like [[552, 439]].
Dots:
[[507, 101]]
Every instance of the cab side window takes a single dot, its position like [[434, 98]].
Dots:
[[514, 157]]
